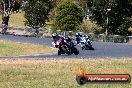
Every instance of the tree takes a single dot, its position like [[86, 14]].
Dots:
[[6, 9], [9, 6], [68, 16], [84, 4], [117, 16], [36, 12]]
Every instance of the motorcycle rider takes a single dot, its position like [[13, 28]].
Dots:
[[56, 37], [81, 38], [65, 45], [87, 37], [78, 37]]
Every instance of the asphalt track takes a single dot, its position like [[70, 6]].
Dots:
[[102, 49]]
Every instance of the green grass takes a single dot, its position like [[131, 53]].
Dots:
[[9, 48], [27, 73]]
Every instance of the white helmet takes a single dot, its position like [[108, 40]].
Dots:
[[54, 35], [78, 34]]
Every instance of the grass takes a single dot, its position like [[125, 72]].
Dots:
[[61, 73], [16, 19], [9, 48]]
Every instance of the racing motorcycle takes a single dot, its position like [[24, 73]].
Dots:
[[65, 47], [86, 43]]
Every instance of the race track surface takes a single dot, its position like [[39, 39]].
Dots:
[[101, 49]]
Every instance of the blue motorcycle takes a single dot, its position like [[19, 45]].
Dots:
[[85, 43]]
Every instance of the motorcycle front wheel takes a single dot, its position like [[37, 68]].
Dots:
[[59, 52], [76, 52]]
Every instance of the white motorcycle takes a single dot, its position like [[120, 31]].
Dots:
[[86, 43]]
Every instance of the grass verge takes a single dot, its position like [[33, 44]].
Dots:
[[27, 73], [9, 48]]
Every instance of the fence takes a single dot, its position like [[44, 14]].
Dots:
[[101, 37], [110, 38]]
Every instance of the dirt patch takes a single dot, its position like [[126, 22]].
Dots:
[[35, 61], [52, 60]]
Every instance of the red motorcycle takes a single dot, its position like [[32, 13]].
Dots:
[[65, 47]]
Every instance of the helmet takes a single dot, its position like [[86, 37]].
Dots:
[[78, 34], [54, 35]]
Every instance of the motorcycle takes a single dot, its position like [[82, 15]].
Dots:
[[86, 43], [65, 47]]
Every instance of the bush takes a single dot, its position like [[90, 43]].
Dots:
[[89, 27], [68, 16]]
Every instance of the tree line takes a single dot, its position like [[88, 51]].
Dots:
[[114, 16]]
